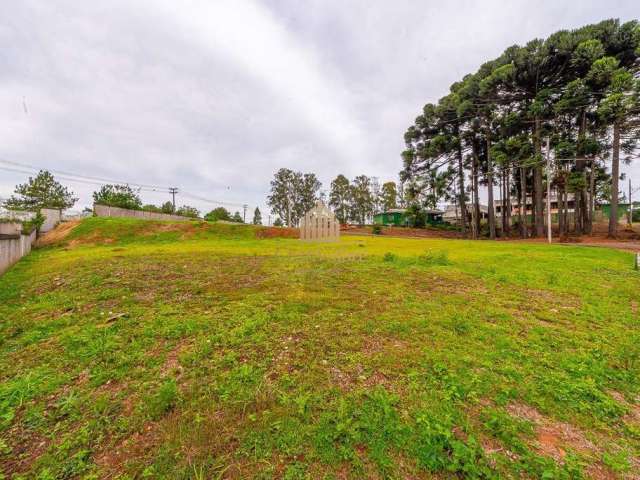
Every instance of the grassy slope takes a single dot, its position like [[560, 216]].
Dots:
[[222, 355]]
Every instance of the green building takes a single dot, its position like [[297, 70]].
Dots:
[[623, 210], [398, 217]]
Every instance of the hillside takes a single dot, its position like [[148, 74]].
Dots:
[[132, 349]]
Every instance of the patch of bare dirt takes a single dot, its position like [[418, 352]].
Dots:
[[57, 234], [138, 445], [402, 232], [26, 447], [553, 438], [277, 232]]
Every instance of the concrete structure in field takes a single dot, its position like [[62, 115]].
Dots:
[[319, 223], [107, 211]]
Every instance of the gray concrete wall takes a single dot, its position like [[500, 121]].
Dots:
[[52, 218], [13, 248], [21, 215], [106, 211], [10, 228]]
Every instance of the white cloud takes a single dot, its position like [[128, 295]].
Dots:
[[214, 96]]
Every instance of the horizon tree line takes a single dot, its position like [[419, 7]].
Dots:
[[293, 193]]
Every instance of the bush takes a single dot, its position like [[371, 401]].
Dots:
[[34, 224], [435, 258], [389, 257], [376, 229]]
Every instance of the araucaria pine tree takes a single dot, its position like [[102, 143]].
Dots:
[[576, 91]]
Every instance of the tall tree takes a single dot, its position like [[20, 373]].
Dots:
[[492, 125], [361, 199], [188, 211], [293, 194], [257, 217], [218, 213], [340, 198], [389, 196], [167, 207], [122, 196], [619, 109], [41, 191], [282, 196]]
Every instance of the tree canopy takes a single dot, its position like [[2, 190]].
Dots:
[[41, 191], [293, 194], [122, 196], [577, 89], [218, 213]]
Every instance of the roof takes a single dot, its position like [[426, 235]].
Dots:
[[402, 210]]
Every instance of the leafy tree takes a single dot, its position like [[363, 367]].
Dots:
[[218, 213], [237, 218], [152, 208], [41, 191], [305, 194], [340, 198], [257, 217], [122, 196], [188, 211], [617, 109], [167, 207], [389, 196], [278, 222], [361, 199], [293, 194]]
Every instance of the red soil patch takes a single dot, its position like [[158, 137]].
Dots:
[[277, 232], [57, 234], [403, 232], [553, 438]]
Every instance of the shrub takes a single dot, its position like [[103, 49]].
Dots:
[[376, 229], [34, 224], [389, 257], [435, 258]]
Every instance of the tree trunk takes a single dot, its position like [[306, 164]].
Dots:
[[615, 174], [537, 182], [476, 201], [490, 207], [523, 202], [507, 193], [560, 218], [503, 202], [592, 195], [462, 203]]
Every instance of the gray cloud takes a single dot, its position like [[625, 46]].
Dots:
[[215, 96]]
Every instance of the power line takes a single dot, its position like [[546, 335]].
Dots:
[[207, 200], [92, 180], [98, 180]]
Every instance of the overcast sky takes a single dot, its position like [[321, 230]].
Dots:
[[213, 96]]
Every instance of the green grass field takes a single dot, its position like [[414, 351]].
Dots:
[[146, 350]]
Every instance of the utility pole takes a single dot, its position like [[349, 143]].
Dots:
[[173, 191], [244, 212], [548, 190]]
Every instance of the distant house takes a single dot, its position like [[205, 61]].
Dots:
[[398, 217], [452, 213]]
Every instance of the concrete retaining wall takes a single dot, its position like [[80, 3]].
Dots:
[[106, 211], [52, 217], [13, 247]]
